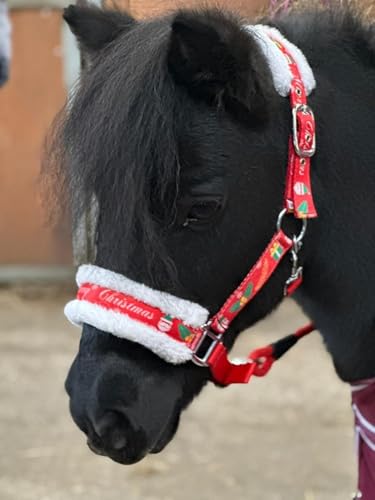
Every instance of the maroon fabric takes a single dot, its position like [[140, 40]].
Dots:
[[363, 401]]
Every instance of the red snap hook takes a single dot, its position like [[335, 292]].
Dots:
[[263, 359]]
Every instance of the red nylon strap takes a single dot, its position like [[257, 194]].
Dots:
[[253, 281], [139, 311], [298, 192], [305, 330]]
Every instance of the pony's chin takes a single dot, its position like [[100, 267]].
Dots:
[[131, 460], [127, 460], [166, 437], [158, 447], [121, 456]]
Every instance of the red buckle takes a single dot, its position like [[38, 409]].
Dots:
[[304, 137]]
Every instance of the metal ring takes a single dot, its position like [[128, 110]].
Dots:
[[302, 233]]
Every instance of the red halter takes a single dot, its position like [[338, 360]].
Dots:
[[209, 338]]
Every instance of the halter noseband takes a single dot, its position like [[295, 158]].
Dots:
[[178, 330]]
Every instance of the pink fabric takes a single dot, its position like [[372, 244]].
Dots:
[[363, 402]]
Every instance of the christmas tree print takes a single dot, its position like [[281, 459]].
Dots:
[[185, 333], [243, 300], [276, 251], [303, 208]]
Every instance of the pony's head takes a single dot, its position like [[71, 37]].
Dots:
[[178, 134]]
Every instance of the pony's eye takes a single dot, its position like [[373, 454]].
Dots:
[[202, 211]]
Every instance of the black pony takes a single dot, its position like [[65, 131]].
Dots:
[[176, 129]]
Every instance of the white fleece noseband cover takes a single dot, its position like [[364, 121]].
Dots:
[[123, 326]]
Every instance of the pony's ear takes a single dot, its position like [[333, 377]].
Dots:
[[93, 27], [211, 54]]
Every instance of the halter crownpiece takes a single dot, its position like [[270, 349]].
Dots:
[[178, 330]]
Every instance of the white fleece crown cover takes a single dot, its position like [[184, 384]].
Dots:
[[281, 74], [121, 325]]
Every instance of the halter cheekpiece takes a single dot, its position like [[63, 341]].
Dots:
[[180, 331]]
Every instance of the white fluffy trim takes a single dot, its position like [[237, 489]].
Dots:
[[192, 314], [120, 325], [282, 77]]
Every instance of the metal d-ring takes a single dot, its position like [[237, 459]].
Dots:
[[296, 239]]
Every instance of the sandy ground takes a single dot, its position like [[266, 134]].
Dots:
[[287, 437]]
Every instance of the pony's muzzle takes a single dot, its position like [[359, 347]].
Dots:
[[125, 412]]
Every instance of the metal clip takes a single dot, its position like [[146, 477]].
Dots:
[[292, 279], [297, 270], [216, 339], [297, 239]]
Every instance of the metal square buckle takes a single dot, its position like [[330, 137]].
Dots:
[[202, 360], [300, 150]]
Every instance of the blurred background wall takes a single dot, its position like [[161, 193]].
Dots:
[[44, 65], [28, 103]]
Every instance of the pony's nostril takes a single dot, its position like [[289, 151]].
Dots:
[[95, 449], [104, 423], [111, 430], [118, 442]]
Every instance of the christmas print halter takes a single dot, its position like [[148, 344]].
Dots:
[[178, 330]]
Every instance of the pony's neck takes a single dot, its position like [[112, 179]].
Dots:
[[338, 289], [337, 293]]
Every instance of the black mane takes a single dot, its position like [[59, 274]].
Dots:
[[126, 116], [323, 30]]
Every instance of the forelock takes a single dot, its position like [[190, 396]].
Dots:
[[116, 139]]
